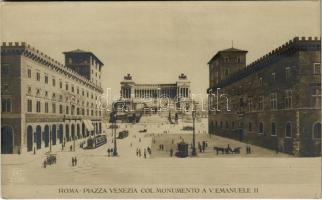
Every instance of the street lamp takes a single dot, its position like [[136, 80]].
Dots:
[[193, 153], [114, 129]]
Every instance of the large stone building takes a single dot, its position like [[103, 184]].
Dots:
[[157, 96], [274, 102], [44, 102]]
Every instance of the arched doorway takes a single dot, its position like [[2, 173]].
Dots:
[[37, 137], [211, 127], [29, 138], [78, 132], [67, 132], [100, 128], [288, 130], [6, 140], [317, 131], [73, 132], [83, 130], [46, 136], [53, 135], [61, 133]]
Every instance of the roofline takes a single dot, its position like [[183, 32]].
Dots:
[[221, 51], [85, 52]]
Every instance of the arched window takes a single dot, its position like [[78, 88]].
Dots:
[[288, 130], [317, 130], [261, 128], [273, 129]]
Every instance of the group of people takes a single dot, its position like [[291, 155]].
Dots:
[[202, 146], [110, 151], [161, 147], [145, 151], [74, 161]]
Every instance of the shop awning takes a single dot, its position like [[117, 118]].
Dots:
[[88, 125]]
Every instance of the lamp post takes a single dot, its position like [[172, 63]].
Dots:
[[114, 129], [193, 153]]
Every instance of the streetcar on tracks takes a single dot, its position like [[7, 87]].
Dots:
[[96, 141]]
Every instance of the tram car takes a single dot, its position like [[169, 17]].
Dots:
[[97, 141], [123, 134]]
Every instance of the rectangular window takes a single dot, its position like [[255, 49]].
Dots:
[[316, 97], [288, 99], [250, 104], [38, 76], [67, 86], [29, 73], [317, 68], [29, 105], [60, 109], [46, 107], [5, 87], [274, 100], [54, 108], [261, 103], [273, 77], [46, 79], [67, 110], [6, 104], [60, 85], [5, 69], [260, 81], [287, 73], [38, 107], [273, 129], [54, 82]]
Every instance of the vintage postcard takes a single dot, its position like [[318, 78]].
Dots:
[[161, 99]]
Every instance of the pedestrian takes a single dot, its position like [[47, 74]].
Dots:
[[75, 161], [137, 152], [250, 150], [144, 155], [45, 163], [70, 147], [108, 152], [171, 152]]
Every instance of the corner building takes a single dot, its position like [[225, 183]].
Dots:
[[274, 102], [45, 103]]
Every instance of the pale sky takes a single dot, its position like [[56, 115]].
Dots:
[[156, 41]]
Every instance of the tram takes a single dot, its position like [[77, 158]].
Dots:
[[97, 141]]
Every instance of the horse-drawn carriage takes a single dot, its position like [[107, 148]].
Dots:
[[227, 150], [49, 160]]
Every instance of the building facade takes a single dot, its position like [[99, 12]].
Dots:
[[159, 96], [274, 102], [44, 102]]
